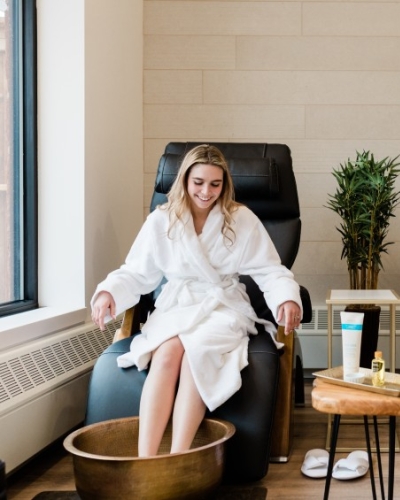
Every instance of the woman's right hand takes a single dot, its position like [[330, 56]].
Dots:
[[103, 304]]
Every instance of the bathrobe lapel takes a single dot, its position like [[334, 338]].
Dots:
[[198, 249]]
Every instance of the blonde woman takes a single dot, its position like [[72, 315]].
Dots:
[[195, 342]]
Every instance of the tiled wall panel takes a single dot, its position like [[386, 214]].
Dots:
[[351, 19], [229, 121], [217, 18], [359, 122], [323, 155], [173, 87], [302, 87], [320, 53], [189, 52]]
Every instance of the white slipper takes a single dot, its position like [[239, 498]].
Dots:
[[315, 463], [355, 465]]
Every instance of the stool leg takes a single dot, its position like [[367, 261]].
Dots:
[[371, 467], [334, 436], [378, 454], [392, 445]]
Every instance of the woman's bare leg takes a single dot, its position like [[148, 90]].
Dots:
[[158, 395], [189, 410]]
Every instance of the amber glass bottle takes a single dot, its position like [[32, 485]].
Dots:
[[378, 370]]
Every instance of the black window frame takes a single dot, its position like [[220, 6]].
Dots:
[[28, 261]]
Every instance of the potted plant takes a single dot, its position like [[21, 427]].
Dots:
[[365, 200]]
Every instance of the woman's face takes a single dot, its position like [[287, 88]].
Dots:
[[204, 186]]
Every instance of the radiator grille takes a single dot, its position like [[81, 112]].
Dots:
[[319, 321], [27, 370]]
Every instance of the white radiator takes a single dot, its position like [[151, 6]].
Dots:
[[313, 338], [43, 389]]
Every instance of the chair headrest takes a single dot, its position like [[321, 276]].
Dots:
[[252, 177], [265, 184]]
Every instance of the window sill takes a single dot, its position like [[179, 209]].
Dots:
[[32, 325]]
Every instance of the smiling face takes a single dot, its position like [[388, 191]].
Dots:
[[204, 186]]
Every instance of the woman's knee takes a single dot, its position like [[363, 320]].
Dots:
[[168, 356]]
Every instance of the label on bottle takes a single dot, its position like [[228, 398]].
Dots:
[[377, 366]]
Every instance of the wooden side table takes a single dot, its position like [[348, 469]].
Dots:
[[345, 297], [338, 400], [377, 297]]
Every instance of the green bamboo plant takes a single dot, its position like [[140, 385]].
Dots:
[[365, 200]]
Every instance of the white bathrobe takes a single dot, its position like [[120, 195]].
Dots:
[[203, 301]]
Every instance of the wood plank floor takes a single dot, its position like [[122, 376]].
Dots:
[[53, 470]]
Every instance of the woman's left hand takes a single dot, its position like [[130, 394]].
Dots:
[[292, 314]]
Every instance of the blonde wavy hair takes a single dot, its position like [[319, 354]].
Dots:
[[178, 198]]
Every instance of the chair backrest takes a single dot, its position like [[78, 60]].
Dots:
[[264, 181]]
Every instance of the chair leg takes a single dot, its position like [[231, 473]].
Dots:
[[392, 445], [371, 466], [332, 451], [378, 454], [299, 396]]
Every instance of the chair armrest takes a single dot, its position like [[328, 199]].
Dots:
[[126, 329], [261, 308]]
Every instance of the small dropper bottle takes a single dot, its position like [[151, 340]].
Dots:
[[378, 370]]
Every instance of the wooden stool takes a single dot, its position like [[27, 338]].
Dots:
[[338, 400]]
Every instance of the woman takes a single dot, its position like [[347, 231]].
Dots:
[[201, 240]]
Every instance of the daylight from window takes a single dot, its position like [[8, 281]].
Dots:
[[8, 270]]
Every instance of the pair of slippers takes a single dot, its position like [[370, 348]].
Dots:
[[316, 461]]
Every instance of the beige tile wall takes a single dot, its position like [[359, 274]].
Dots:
[[320, 76]]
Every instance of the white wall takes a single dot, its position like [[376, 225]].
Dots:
[[113, 134]]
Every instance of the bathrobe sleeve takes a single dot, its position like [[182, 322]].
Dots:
[[261, 261], [139, 275]]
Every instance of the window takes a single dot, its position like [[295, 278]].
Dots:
[[18, 158]]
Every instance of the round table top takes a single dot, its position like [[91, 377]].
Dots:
[[339, 400]]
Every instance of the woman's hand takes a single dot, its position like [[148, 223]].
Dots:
[[291, 312], [104, 302]]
